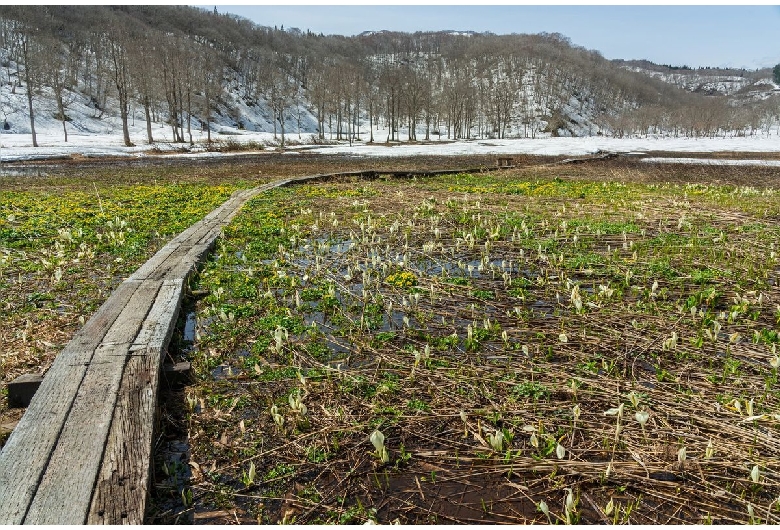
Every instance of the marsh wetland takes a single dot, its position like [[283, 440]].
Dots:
[[547, 344]]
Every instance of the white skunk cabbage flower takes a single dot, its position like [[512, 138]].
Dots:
[[296, 403], [496, 440], [569, 504], [252, 473], [755, 474], [378, 441], [642, 417], [278, 418]]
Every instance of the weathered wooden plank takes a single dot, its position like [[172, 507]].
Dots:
[[123, 482], [148, 268], [120, 493], [65, 489], [179, 264], [26, 452], [206, 230], [168, 253], [189, 261]]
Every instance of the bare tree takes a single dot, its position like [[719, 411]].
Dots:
[[31, 57], [117, 41], [318, 95], [211, 77], [144, 67], [57, 76], [501, 96], [171, 68], [390, 81], [372, 99], [280, 93], [414, 91]]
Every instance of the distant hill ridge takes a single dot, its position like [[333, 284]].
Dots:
[[93, 67]]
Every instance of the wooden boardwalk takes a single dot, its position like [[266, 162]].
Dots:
[[82, 452]]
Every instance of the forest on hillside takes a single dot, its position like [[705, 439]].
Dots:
[[180, 63]]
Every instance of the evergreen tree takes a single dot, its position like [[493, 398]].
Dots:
[[776, 72]]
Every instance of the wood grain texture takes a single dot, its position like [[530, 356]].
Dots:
[[122, 484], [26, 453], [65, 490]]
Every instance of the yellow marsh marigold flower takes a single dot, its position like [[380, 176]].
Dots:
[[403, 280]]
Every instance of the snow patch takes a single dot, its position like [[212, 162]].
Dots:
[[711, 162]]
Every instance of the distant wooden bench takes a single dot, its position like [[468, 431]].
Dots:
[[506, 161]]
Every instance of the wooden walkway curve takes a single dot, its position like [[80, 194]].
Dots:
[[82, 452]]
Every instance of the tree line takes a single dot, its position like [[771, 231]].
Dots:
[[180, 63]]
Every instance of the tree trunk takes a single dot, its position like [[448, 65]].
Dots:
[[61, 111], [321, 120], [121, 81], [338, 123], [123, 115], [148, 115], [356, 116], [274, 120], [208, 116], [392, 114], [371, 120], [189, 116], [27, 79], [181, 115], [348, 110], [281, 125], [32, 116]]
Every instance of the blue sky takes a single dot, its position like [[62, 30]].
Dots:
[[695, 35]]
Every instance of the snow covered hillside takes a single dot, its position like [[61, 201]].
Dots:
[[740, 83], [90, 79]]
